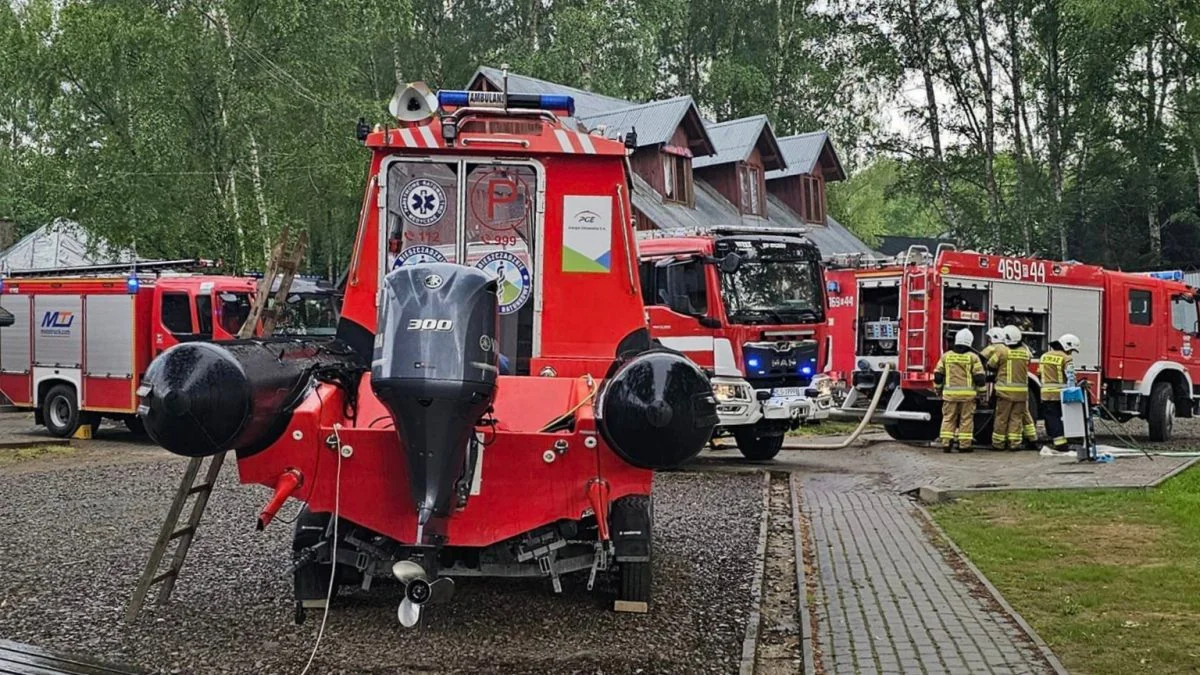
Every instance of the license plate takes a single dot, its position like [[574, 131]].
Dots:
[[790, 392]]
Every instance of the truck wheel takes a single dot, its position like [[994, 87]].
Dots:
[[135, 425], [60, 411], [635, 582], [755, 447], [633, 512], [1162, 412], [909, 430]]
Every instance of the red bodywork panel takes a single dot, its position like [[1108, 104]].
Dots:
[[517, 491], [102, 391], [1126, 350], [700, 342], [579, 319]]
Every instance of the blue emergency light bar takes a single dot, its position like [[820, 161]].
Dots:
[[1169, 275], [496, 99]]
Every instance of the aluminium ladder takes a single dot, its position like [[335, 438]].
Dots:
[[284, 262]]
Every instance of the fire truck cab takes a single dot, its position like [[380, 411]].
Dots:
[[1138, 333], [748, 305], [78, 346]]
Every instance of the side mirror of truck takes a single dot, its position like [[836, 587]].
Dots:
[[730, 263]]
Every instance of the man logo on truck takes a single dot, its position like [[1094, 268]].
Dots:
[[57, 323]]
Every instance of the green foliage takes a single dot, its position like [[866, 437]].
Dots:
[[202, 127]]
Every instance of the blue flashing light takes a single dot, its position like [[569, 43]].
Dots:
[[753, 363], [1168, 275], [132, 284], [495, 99], [558, 102], [806, 370], [833, 287], [457, 99]]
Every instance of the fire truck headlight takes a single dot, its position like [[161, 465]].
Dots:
[[731, 391], [823, 384]]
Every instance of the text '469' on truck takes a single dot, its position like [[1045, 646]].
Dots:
[[747, 304], [1138, 333]]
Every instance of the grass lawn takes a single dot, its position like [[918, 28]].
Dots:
[[1110, 579], [829, 428], [10, 456]]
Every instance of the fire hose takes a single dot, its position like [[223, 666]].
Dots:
[[862, 425]]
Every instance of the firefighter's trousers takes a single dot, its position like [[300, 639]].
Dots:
[[1052, 411], [958, 422], [1028, 428], [1008, 423]]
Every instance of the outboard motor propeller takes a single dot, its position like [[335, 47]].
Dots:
[[434, 368]]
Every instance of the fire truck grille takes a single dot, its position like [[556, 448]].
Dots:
[[782, 364]]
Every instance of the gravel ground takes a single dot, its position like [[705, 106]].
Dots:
[[72, 543]]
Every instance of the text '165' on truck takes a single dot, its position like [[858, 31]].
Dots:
[[1138, 333], [748, 305]]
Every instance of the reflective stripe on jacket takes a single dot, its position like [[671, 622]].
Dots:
[[959, 373], [1012, 372], [1052, 370]]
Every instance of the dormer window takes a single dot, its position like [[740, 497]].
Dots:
[[812, 195], [751, 189], [677, 178]]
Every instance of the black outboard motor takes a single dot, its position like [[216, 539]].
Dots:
[[435, 368]]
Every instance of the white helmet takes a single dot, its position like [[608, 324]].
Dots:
[[995, 335], [1069, 342], [964, 338], [1012, 335]]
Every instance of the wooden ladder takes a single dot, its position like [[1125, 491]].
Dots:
[[284, 262]]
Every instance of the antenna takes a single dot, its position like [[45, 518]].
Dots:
[[504, 84]]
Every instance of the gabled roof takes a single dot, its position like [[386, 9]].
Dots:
[[586, 103], [61, 243], [801, 153], [832, 238], [736, 139], [655, 123]]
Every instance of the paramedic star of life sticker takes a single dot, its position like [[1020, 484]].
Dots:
[[514, 282], [423, 202], [415, 255]]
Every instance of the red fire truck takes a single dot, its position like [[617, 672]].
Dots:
[[78, 345], [748, 304], [1138, 332]]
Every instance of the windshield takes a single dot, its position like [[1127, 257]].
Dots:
[[776, 283], [308, 314]]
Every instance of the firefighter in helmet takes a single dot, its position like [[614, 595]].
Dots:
[[1012, 390], [1052, 371], [959, 378], [996, 345]]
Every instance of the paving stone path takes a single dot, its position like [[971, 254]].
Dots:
[[887, 600]]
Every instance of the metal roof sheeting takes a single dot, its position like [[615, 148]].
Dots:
[[801, 153], [735, 139], [62, 243], [655, 121], [832, 238]]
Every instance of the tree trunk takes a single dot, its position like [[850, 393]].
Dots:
[[931, 110], [1053, 129], [260, 198], [989, 110], [1151, 148], [1018, 107], [231, 189]]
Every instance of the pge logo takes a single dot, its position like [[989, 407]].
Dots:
[[58, 319]]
